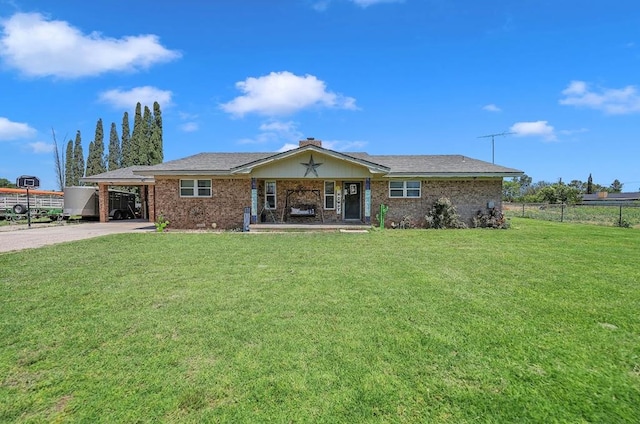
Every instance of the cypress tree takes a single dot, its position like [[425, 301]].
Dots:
[[589, 185], [91, 160], [146, 153], [78, 160], [98, 144], [126, 156], [68, 165], [137, 137], [115, 156], [156, 136]]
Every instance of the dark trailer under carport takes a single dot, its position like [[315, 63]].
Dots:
[[83, 201]]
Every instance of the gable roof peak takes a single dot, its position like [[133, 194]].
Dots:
[[310, 141]]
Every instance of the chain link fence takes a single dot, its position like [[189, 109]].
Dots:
[[627, 215]]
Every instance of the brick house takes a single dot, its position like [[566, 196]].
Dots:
[[310, 185]]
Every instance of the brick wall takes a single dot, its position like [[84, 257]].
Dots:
[[230, 196], [468, 196], [225, 208]]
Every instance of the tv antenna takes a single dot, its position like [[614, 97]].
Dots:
[[493, 145]]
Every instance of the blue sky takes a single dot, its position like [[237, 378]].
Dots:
[[381, 76]]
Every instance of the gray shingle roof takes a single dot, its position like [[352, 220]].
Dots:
[[396, 165], [210, 162], [596, 197], [435, 164]]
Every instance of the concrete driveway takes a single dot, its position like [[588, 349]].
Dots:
[[19, 237]]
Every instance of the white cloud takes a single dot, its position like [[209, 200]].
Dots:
[[41, 147], [14, 130], [337, 145], [279, 126], [614, 101], [185, 116], [320, 6], [40, 47], [491, 108], [190, 127], [367, 3], [288, 146], [535, 128], [344, 145], [283, 93], [146, 95], [275, 132], [572, 132]]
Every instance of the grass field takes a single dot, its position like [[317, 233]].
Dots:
[[538, 323], [584, 214]]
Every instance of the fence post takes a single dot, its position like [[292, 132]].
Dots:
[[620, 218], [562, 212], [523, 209]]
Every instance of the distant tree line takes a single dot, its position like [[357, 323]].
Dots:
[[4, 183], [142, 147], [523, 190]]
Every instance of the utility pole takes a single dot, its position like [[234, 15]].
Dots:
[[493, 146]]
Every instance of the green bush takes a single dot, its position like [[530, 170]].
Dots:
[[443, 215], [492, 219]]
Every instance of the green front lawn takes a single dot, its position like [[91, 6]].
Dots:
[[539, 323]]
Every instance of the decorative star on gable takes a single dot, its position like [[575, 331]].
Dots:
[[311, 166]]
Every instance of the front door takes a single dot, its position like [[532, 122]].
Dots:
[[352, 200]]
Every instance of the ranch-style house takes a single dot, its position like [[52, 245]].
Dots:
[[307, 185]]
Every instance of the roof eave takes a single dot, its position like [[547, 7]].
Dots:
[[171, 172], [453, 174], [119, 181]]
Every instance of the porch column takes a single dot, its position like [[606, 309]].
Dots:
[[367, 201], [254, 201], [103, 202], [143, 202], [152, 202]]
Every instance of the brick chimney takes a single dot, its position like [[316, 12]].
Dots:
[[310, 141]]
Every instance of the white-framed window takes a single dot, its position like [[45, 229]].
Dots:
[[195, 188], [270, 200], [329, 194], [404, 189]]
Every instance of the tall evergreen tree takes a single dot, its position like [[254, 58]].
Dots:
[[146, 153], [91, 160], [95, 158], [98, 143], [126, 153], [115, 155], [589, 185], [78, 160], [69, 180], [137, 137], [156, 136]]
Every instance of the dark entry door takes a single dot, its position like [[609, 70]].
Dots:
[[352, 200]]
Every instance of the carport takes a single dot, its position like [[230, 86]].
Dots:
[[125, 177]]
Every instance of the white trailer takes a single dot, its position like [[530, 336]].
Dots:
[[84, 201]]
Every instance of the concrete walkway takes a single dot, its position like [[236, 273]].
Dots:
[[19, 237]]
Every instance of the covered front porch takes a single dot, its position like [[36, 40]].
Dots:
[[311, 202], [290, 227]]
